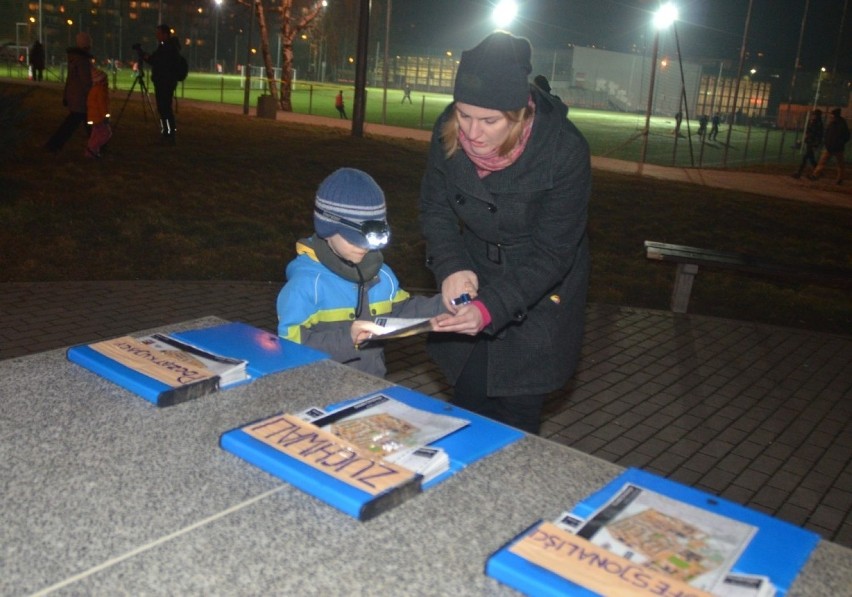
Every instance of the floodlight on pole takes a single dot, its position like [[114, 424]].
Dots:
[[504, 13], [216, 36], [665, 16], [819, 82]]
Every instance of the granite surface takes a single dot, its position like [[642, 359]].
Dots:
[[105, 494]]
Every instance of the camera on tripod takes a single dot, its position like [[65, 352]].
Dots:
[[140, 57]]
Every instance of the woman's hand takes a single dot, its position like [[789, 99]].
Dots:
[[457, 284], [467, 320]]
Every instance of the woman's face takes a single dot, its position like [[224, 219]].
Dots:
[[486, 129]]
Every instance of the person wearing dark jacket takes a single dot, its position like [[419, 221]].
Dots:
[[835, 139], [37, 60], [504, 206], [164, 75], [813, 139], [78, 81]]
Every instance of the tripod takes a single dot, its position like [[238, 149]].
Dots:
[[146, 98]]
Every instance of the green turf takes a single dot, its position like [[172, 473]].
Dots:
[[611, 134]]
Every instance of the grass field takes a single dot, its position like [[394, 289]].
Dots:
[[612, 134], [232, 198]]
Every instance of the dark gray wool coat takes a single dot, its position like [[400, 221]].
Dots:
[[522, 230]]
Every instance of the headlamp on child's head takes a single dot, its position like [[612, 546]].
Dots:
[[376, 232]]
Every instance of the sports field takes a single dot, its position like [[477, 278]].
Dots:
[[610, 134]]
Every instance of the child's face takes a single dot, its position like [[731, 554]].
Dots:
[[343, 248]]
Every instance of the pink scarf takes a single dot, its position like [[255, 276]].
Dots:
[[492, 162]]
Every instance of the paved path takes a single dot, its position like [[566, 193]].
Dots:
[[758, 414]]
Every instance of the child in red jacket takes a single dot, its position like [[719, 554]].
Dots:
[[97, 113]]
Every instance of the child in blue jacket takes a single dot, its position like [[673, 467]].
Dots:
[[339, 283]]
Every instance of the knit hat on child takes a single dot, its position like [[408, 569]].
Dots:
[[347, 199]]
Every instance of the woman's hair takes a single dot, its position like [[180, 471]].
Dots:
[[450, 130]]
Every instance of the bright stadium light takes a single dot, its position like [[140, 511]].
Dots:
[[504, 13], [665, 16]]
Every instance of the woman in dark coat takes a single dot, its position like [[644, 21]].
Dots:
[[504, 205]]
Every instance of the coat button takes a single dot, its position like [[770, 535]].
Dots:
[[520, 316], [430, 260], [460, 199], [492, 208]]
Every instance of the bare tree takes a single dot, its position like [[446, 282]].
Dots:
[[291, 28]]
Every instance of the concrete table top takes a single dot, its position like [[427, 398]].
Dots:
[[104, 494]]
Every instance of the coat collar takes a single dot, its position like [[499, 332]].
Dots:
[[534, 169]]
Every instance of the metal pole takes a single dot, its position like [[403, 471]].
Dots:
[[216, 40], [647, 130], [247, 90], [683, 100], [385, 67], [40, 27], [819, 82], [360, 102], [793, 79], [737, 85]]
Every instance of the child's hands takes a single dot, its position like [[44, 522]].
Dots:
[[363, 330]]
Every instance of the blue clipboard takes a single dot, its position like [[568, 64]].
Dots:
[[761, 557], [465, 446]]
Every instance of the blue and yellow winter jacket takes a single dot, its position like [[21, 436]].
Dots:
[[316, 307]]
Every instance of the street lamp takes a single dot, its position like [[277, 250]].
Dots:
[[504, 13], [663, 18], [819, 82], [385, 65], [216, 37]]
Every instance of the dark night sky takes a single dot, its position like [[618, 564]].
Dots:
[[706, 29]]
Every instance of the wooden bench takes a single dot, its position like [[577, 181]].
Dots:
[[689, 259]]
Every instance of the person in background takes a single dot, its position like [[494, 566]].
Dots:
[[504, 206], [714, 126], [702, 125], [339, 105], [339, 281], [813, 140], [78, 81], [835, 139], [406, 93], [97, 109], [164, 75], [37, 60]]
